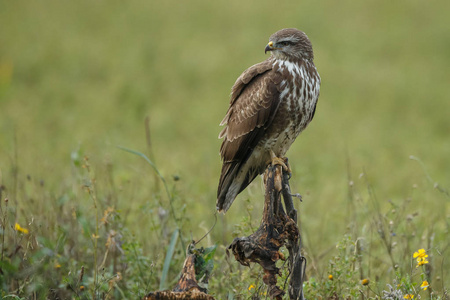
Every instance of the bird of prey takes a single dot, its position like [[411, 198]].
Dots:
[[271, 103]]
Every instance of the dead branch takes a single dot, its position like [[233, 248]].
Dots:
[[277, 229]]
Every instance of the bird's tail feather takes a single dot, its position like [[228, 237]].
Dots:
[[227, 175], [232, 182]]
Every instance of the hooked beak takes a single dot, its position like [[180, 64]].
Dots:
[[269, 47]]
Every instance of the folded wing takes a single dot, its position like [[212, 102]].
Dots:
[[254, 102]]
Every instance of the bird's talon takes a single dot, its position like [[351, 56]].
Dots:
[[277, 161]]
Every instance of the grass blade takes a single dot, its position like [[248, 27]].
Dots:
[[170, 251]]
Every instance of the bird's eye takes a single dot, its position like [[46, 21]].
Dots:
[[284, 43]]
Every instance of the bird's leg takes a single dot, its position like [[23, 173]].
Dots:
[[280, 167], [281, 161], [274, 160]]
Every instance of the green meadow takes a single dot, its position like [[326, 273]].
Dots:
[[82, 218]]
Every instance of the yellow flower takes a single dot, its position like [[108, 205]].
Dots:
[[421, 262], [330, 277], [57, 266], [251, 287], [425, 285], [20, 229], [408, 296], [365, 281], [81, 287], [420, 254]]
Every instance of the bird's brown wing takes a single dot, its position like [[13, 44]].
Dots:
[[254, 101]]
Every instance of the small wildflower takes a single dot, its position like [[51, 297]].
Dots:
[[18, 228], [57, 266], [421, 253], [424, 285], [81, 287], [408, 296], [365, 281], [421, 262], [251, 287], [330, 277], [421, 256]]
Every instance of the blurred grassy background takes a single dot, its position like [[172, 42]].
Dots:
[[80, 77]]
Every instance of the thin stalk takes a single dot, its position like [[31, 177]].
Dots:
[[91, 190], [166, 187]]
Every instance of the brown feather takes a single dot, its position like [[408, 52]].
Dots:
[[254, 102], [253, 105]]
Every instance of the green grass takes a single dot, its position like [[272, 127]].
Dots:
[[77, 79]]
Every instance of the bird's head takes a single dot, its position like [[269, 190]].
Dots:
[[290, 43]]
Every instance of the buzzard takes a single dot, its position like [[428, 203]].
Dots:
[[271, 103]]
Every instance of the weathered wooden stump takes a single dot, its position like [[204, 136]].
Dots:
[[187, 286], [277, 229]]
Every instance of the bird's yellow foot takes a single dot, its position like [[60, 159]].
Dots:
[[280, 161]]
